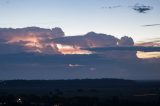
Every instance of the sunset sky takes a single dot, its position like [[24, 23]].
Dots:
[[115, 17]]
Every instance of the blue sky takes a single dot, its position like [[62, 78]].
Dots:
[[81, 16]]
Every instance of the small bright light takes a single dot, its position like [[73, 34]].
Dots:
[[74, 65], [56, 105], [19, 100]]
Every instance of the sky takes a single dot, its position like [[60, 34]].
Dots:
[[77, 17]]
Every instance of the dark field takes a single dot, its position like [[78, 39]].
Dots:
[[88, 92]]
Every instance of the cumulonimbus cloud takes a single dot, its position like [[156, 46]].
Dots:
[[53, 41]]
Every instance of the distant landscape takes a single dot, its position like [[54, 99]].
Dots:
[[93, 92]]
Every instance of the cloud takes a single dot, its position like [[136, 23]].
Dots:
[[142, 8], [9, 33], [150, 42], [113, 58], [98, 40], [52, 41], [126, 41], [151, 25], [38, 66], [132, 48], [31, 39], [46, 41], [125, 52], [90, 39], [111, 7], [11, 49]]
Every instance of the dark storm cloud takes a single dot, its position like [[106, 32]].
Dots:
[[11, 49], [133, 48], [17, 64], [34, 66], [90, 39], [31, 58], [45, 40]]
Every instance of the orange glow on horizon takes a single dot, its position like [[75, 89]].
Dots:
[[67, 49], [145, 55]]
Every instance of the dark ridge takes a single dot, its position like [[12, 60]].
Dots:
[[75, 83]]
